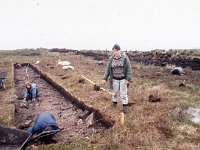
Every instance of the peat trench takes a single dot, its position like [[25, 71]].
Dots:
[[76, 119]]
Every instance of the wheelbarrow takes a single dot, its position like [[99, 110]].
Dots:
[[3, 80], [14, 139]]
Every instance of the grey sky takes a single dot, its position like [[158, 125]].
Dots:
[[99, 24]]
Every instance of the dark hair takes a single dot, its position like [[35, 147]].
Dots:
[[116, 46]]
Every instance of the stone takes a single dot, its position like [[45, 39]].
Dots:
[[25, 124], [89, 121], [79, 122], [153, 98]]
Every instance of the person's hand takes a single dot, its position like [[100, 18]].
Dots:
[[127, 82], [103, 81]]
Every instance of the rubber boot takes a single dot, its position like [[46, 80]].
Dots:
[[125, 110], [114, 104]]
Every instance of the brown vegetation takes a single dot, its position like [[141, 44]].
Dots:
[[147, 126]]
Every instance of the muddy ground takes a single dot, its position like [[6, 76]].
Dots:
[[68, 116]]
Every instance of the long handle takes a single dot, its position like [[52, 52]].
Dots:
[[88, 80], [21, 148], [105, 90], [94, 84]]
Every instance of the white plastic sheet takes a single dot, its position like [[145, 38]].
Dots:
[[64, 63], [194, 114]]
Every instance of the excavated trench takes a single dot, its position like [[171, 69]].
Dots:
[[76, 119]]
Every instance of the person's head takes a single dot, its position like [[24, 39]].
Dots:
[[116, 50], [28, 84]]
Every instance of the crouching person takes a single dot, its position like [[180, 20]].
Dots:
[[43, 122], [31, 91]]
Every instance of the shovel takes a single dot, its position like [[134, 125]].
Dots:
[[96, 87]]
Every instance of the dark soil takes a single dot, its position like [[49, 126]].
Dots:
[[158, 59], [68, 116]]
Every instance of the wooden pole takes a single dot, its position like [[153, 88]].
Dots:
[[27, 72], [122, 118], [105, 90], [88, 80], [95, 84]]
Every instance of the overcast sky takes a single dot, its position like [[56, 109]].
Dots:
[[99, 24]]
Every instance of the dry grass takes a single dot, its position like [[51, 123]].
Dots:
[[7, 96], [147, 126]]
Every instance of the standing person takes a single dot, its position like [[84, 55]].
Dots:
[[31, 91], [119, 71]]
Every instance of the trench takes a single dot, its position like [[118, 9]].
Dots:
[[76, 119]]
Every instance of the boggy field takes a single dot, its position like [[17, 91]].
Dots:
[[148, 125]]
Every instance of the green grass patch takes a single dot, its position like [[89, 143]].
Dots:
[[75, 145]]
